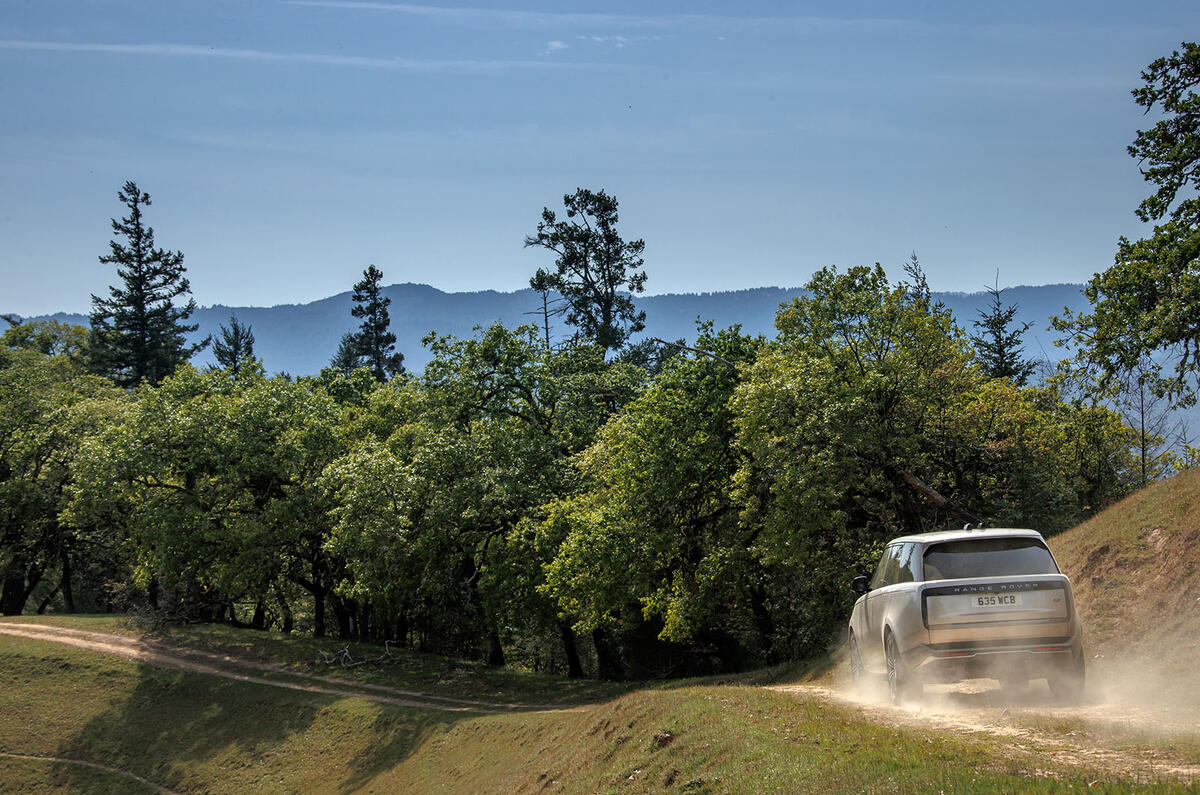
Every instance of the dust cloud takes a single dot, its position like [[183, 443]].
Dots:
[[1146, 696]]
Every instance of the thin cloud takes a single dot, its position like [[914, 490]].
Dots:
[[553, 47], [542, 20], [619, 42], [267, 56], [719, 25]]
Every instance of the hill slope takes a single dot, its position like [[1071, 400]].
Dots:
[[1136, 572]]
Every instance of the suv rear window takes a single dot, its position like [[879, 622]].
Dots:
[[987, 557]]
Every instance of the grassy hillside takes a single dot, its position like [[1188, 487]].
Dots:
[[1136, 572], [195, 732], [94, 722]]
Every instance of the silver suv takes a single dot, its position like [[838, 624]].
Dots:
[[968, 603]]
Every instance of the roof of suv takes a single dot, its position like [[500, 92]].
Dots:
[[962, 535]]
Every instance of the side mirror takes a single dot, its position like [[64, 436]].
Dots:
[[860, 585]]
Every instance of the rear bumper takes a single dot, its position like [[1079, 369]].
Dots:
[[1028, 658]]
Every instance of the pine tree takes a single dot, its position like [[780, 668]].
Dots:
[[998, 346], [374, 343], [138, 333], [235, 344], [347, 358], [596, 271]]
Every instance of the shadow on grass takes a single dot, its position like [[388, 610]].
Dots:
[[203, 732]]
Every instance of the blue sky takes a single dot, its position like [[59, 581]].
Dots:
[[287, 145]]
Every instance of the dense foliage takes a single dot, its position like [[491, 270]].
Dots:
[[553, 509]]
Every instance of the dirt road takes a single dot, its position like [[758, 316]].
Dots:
[[197, 661], [1138, 741]]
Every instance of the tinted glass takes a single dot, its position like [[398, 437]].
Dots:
[[987, 557], [885, 574], [906, 565]]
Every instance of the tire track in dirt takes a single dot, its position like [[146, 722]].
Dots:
[[62, 760], [214, 664]]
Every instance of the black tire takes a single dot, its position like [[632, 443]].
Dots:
[[1067, 682], [901, 684]]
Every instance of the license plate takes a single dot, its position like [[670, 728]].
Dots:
[[996, 600]]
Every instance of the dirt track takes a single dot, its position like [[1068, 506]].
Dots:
[[196, 661], [62, 760], [1119, 738]]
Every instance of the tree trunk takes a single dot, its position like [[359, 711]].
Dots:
[[18, 584], [762, 620], [608, 665], [318, 615], [574, 669], [285, 609], [363, 622], [46, 602], [495, 650], [67, 592], [344, 617], [259, 621]]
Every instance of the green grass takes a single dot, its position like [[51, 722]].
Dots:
[[425, 673], [27, 775], [199, 733]]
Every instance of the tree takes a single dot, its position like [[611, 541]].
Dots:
[[235, 344], [653, 551], [551, 307], [593, 268], [49, 408], [347, 359], [373, 342], [431, 502], [1172, 146], [213, 483], [1157, 430], [139, 333], [1148, 301], [998, 345]]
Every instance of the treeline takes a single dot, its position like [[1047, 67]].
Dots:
[[545, 506], [587, 505]]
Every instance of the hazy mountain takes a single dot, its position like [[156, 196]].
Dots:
[[301, 338]]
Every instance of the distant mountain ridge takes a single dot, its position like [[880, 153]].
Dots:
[[301, 338]]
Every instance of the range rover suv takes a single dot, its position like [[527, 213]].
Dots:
[[968, 603]]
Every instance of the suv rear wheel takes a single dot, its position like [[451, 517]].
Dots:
[[901, 683], [1067, 682]]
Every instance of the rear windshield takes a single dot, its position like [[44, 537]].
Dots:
[[987, 557]]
